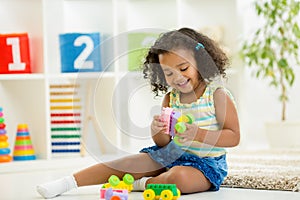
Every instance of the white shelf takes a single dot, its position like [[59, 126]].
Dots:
[[85, 75], [42, 164], [25, 97], [8, 77]]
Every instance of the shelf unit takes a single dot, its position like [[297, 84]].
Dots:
[[120, 98]]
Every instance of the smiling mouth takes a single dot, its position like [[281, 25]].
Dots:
[[182, 84]]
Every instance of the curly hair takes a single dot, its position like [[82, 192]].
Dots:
[[211, 60]]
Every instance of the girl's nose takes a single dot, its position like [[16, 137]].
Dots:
[[177, 76]]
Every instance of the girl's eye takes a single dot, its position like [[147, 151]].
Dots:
[[184, 69], [169, 74]]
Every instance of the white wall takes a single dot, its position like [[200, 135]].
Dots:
[[258, 101]]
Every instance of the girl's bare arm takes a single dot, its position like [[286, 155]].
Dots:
[[158, 128], [227, 117]]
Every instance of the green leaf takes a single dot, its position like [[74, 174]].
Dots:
[[274, 83], [290, 76], [273, 50], [283, 98], [282, 63], [264, 55], [257, 8], [296, 30]]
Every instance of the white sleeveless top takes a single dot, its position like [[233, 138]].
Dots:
[[205, 117]]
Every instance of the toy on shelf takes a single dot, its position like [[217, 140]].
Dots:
[[115, 183], [66, 118], [23, 149], [138, 44], [4, 145], [175, 121], [15, 53], [113, 194], [80, 52], [161, 191]]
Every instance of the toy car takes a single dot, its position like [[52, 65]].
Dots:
[[161, 191]]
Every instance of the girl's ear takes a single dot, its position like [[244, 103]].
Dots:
[[206, 65]]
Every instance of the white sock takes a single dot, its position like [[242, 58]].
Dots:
[[56, 188], [140, 184]]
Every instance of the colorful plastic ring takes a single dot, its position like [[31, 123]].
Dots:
[[2, 131], [21, 158], [23, 152], [4, 145], [23, 147], [3, 137], [4, 151], [6, 158]]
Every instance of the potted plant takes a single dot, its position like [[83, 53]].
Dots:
[[273, 52]]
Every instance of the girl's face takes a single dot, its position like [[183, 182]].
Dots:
[[180, 70]]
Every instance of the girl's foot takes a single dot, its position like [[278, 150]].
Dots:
[[56, 188]]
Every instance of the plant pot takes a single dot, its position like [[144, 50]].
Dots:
[[283, 134]]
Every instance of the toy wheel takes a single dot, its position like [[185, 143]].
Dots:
[[128, 179], [180, 127], [149, 194], [191, 118], [178, 195], [113, 180], [166, 195], [115, 198]]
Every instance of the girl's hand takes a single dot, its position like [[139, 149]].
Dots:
[[189, 134], [157, 125]]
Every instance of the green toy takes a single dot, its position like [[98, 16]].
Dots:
[[161, 191]]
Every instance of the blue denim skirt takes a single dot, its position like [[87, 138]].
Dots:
[[213, 168]]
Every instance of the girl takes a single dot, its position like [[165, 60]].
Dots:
[[192, 65]]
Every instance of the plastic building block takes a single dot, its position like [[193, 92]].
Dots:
[[180, 127], [115, 183], [109, 193], [161, 191], [175, 121]]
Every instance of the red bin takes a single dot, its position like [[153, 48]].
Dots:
[[14, 53]]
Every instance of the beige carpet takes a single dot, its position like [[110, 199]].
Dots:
[[270, 170]]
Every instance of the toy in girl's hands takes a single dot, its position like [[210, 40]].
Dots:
[[180, 125], [175, 121], [169, 117]]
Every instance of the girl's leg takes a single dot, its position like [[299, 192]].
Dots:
[[187, 179], [138, 165]]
